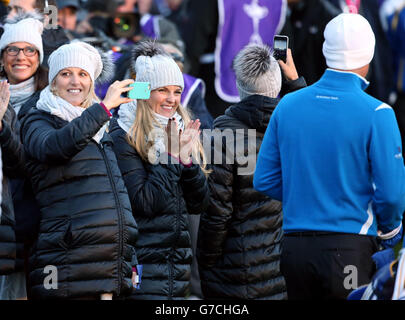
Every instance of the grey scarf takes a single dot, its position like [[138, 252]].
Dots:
[[21, 92]]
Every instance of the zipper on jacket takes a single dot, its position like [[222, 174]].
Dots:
[[120, 214], [170, 258], [175, 240]]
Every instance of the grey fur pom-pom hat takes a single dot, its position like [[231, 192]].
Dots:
[[24, 27], [79, 54], [151, 63], [257, 72]]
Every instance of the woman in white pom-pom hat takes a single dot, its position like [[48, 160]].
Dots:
[[22, 76], [164, 177], [87, 231]]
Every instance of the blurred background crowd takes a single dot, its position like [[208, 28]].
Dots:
[[204, 36]]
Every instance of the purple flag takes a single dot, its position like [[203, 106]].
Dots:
[[242, 22], [190, 84], [150, 26]]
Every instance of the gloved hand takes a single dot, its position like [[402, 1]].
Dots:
[[390, 242], [383, 257]]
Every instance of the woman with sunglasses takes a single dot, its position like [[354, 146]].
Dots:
[[22, 76]]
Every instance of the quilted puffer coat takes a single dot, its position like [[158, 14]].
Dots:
[[161, 196], [86, 230]]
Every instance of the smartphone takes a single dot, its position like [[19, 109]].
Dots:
[[141, 90], [280, 46]]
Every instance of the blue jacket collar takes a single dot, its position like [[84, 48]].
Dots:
[[338, 79]]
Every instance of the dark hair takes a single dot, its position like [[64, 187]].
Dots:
[[40, 76]]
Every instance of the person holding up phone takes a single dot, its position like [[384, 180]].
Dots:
[[240, 233], [87, 231], [280, 46], [162, 162]]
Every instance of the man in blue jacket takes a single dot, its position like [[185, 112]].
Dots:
[[332, 154]]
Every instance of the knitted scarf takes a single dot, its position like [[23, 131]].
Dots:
[[21, 92], [59, 107]]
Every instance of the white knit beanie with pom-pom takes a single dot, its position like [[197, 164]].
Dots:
[[24, 27], [153, 64], [78, 54]]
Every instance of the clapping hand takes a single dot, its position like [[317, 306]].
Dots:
[[188, 138], [180, 144], [4, 99]]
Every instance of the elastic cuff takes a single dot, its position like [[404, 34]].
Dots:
[[134, 269], [105, 108]]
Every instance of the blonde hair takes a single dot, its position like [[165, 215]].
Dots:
[[87, 102], [143, 126]]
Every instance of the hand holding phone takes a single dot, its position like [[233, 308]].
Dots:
[[141, 90], [288, 69], [113, 98], [280, 46]]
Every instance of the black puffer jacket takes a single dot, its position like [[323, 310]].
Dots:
[[161, 197], [26, 210], [13, 159], [238, 248], [87, 230]]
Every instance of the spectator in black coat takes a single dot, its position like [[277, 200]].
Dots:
[[239, 238], [164, 183], [12, 158], [87, 230], [22, 69]]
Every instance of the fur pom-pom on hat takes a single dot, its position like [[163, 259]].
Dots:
[[257, 72], [24, 27], [78, 54], [151, 63], [147, 48], [108, 69]]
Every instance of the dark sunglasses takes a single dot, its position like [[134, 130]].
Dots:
[[14, 51]]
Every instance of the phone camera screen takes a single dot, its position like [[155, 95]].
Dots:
[[280, 45]]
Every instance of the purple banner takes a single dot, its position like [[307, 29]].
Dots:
[[242, 22]]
